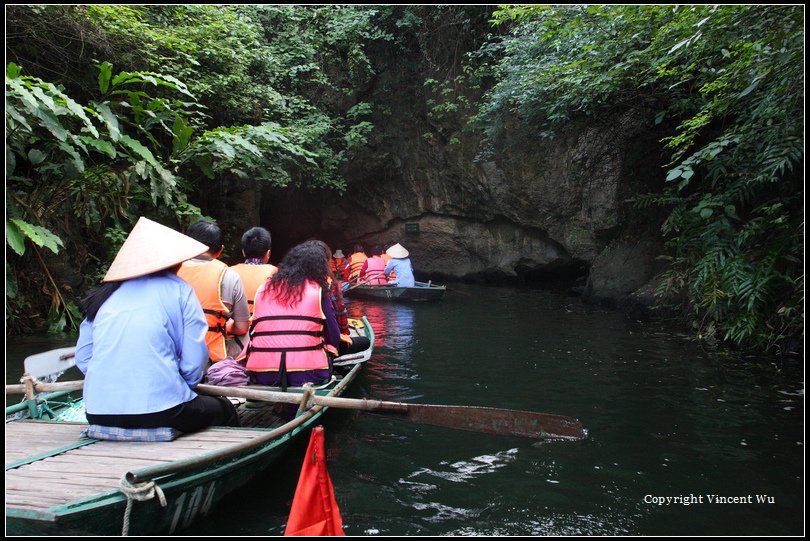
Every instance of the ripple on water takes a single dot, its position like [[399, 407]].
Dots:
[[552, 524], [464, 470]]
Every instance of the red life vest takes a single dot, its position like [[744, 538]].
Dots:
[[252, 277], [287, 338], [375, 266], [206, 279]]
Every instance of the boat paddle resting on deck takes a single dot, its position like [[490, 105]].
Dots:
[[59, 482], [420, 292]]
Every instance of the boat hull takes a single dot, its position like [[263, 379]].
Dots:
[[188, 498], [395, 293]]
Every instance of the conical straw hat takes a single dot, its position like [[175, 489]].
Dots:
[[338, 253], [151, 247], [397, 251]]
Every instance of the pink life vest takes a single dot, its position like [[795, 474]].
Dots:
[[287, 338], [376, 266]]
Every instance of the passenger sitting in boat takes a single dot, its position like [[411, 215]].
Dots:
[[347, 343], [372, 271], [254, 272], [355, 262], [142, 343], [219, 290], [401, 265], [294, 323], [338, 265]]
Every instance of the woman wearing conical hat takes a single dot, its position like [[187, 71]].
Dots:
[[401, 265], [142, 343]]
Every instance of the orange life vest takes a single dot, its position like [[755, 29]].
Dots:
[[206, 279], [287, 338], [356, 261], [252, 277], [338, 266], [375, 267]]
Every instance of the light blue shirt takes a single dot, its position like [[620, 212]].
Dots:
[[145, 350], [404, 271]]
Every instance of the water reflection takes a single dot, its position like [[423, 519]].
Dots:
[[391, 367]]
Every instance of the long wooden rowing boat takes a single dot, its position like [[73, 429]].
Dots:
[[59, 483], [420, 292]]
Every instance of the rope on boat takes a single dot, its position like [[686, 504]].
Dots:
[[306, 398], [140, 492]]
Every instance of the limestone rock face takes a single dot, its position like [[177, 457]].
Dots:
[[531, 211]]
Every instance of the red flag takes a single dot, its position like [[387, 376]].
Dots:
[[314, 509]]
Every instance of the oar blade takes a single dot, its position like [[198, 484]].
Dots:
[[502, 422], [51, 362]]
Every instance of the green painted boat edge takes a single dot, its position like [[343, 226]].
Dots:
[[370, 333], [22, 406]]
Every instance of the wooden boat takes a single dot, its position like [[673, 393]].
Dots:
[[59, 483], [420, 292]]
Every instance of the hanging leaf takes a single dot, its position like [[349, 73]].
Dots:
[[104, 74], [36, 157], [750, 88], [38, 235], [77, 162], [99, 144], [15, 238], [136, 146], [50, 121], [111, 120], [673, 174], [12, 70], [182, 133]]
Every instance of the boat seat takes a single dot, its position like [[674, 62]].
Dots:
[[113, 433]]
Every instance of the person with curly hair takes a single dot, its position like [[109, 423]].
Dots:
[[294, 326]]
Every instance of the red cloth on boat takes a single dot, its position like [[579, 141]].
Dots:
[[314, 509]]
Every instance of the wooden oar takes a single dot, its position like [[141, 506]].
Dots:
[[504, 422], [364, 282], [40, 387], [50, 362]]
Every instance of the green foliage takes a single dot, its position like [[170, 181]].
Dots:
[[255, 94], [256, 152], [103, 163], [17, 230], [725, 84]]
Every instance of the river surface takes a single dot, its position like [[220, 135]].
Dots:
[[665, 418]]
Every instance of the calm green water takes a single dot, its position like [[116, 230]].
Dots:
[[664, 418]]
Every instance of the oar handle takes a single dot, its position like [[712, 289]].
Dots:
[[295, 398], [367, 280], [40, 387]]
